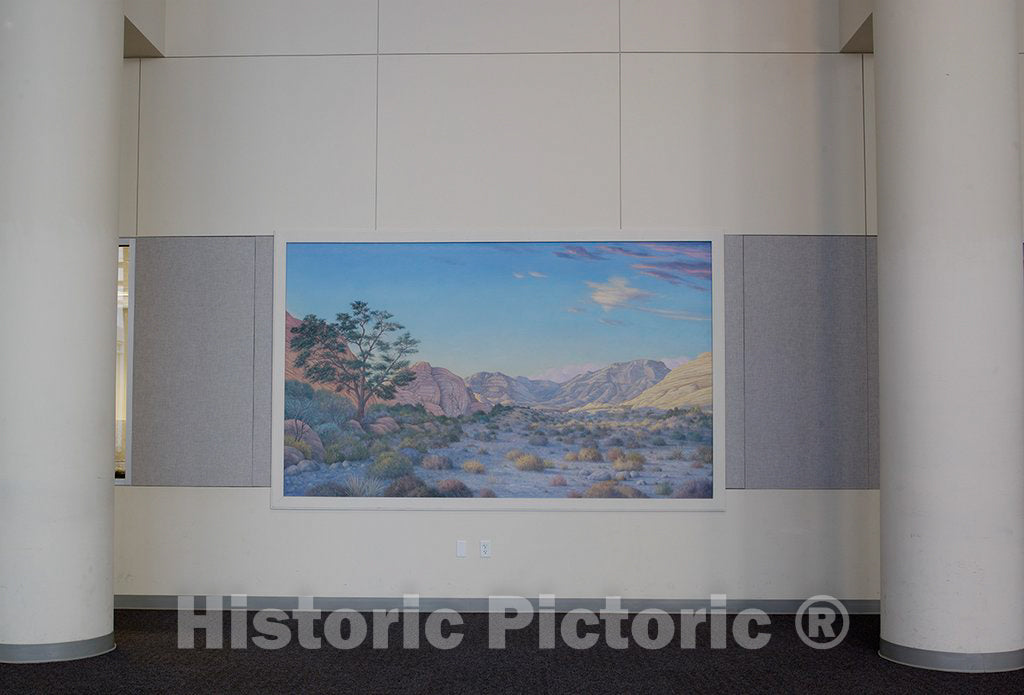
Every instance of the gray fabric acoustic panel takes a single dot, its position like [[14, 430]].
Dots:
[[872, 351], [262, 361], [802, 345], [193, 397]]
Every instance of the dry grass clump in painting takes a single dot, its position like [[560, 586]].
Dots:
[[632, 461], [530, 462], [613, 489], [474, 466]]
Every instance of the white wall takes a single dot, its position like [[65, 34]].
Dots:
[[717, 116]]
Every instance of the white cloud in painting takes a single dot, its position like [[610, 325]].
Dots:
[[671, 314], [616, 293]]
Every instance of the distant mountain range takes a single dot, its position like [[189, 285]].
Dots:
[[687, 385], [612, 385], [635, 384], [495, 387]]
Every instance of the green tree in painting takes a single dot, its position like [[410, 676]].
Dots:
[[362, 353]]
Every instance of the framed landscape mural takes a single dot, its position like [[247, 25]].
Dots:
[[559, 375]]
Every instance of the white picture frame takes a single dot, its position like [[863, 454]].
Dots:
[[278, 500]]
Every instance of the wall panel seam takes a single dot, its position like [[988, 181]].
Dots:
[[620, 141], [743, 348], [138, 148], [496, 53], [864, 144], [252, 438], [620, 110], [376, 128]]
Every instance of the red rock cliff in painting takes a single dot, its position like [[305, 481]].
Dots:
[[440, 391]]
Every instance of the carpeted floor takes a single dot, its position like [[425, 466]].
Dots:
[[148, 660]]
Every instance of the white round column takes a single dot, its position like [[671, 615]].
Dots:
[[60, 72], [951, 333]]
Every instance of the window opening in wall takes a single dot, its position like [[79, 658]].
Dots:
[[123, 362]]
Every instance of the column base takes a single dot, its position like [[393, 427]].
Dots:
[[960, 662], [56, 651]]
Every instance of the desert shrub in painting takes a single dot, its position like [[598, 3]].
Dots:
[[453, 488], [390, 464], [359, 486], [704, 456], [436, 462], [697, 488], [328, 432], [300, 445], [409, 486], [328, 489], [347, 449]]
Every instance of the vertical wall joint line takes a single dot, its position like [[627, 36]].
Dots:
[[138, 150], [864, 140], [743, 322], [376, 127], [620, 115], [252, 438]]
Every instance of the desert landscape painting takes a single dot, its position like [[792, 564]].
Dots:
[[518, 370]]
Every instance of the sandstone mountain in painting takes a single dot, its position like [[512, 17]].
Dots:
[[440, 391], [686, 386]]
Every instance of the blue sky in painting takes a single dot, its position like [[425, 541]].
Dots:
[[542, 310]]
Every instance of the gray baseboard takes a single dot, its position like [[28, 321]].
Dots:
[[56, 651], [480, 605], [959, 662]]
